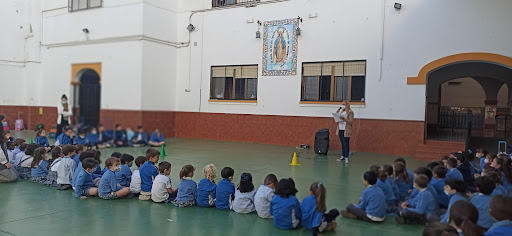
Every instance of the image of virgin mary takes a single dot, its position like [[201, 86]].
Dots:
[[279, 55]]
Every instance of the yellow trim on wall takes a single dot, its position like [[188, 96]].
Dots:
[[76, 68], [473, 56]]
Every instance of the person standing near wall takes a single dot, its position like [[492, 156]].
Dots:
[[344, 130], [64, 114]]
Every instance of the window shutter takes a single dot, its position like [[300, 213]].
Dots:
[[250, 72], [218, 72], [238, 71], [312, 69], [355, 68]]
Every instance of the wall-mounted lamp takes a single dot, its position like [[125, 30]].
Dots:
[[298, 30], [258, 33], [191, 27], [398, 6], [85, 30]]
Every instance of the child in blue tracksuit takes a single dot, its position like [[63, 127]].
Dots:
[[284, 207], [104, 138], [438, 183], [187, 188], [84, 184], [453, 172], [19, 154], [455, 189], [124, 176], [500, 208], [416, 212], [225, 189], [79, 168], [120, 137], [92, 138], [372, 207], [314, 217], [390, 181], [386, 188], [148, 172], [157, 138], [41, 138], [140, 138], [80, 138], [78, 150], [65, 138], [481, 154], [409, 173], [39, 166], [402, 181], [481, 200], [425, 171], [109, 188], [206, 187]]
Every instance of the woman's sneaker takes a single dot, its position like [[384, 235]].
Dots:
[[346, 160], [341, 158]]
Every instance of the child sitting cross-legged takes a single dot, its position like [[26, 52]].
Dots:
[[39, 166], [284, 207], [500, 209], [124, 176], [206, 187], [264, 196], [386, 188], [66, 168], [148, 172], [481, 200], [84, 185], [78, 150], [135, 181], [416, 212], [244, 195], [225, 189], [438, 184], [161, 190], [109, 188], [313, 211], [51, 178], [372, 207], [187, 188], [24, 165], [455, 189], [79, 169]]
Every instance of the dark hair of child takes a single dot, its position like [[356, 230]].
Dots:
[[456, 184], [500, 207], [506, 168], [374, 168], [246, 184], [285, 188], [483, 151], [451, 162], [440, 171], [39, 132], [439, 229], [110, 161], [433, 165], [116, 155], [79, 148], [23, 146], [85, 155], [67, 128], [425, 171], [485, 185], [382, 175], [444, 158], [270, 179], [421, 180], [400, 159], [10, 145], [164, 165], [371, 177], [118, 125], [97, 155], [318, 189], [462, 158], [139, 127], [470, 157], [151, 152], [31, 148], [18, 141], [388, 169], [401, 172], [494, 176], [89, 163], [140, 160], [56, 153], [67, 149], [227, 172], [187, 170], [39, 155], [464, 215], [125, 158]]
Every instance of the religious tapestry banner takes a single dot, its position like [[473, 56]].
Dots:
[[280, 47]]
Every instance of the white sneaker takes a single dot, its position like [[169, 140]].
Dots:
[[340, 159], [346, 160]]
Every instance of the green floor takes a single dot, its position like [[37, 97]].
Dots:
[[34, 209]]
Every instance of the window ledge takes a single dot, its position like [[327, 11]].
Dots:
[[233, 101], [331, 103]]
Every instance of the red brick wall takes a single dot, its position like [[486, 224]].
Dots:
[[30, 116]]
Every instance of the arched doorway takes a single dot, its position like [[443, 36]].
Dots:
[[87, 94]]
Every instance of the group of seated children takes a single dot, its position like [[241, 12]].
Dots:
[[101, 138], [450, 191]]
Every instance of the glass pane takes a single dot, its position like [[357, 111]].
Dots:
[[311, 88], [252, 89], [229, 2], [218, 88], [228, 89], [358, 88], [82, 4], [94, 3], [240, 89], [325, 88], [341, 88], [74, 5]]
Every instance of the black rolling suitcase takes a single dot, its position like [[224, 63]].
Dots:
[[322, 141]]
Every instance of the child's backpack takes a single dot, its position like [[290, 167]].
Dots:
[[19, 125], [53, 132]]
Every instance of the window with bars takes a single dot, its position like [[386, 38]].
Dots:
[[234, 82], [78, 5], [334, 81]]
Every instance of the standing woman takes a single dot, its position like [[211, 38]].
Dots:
[[64, 110], [344, 130], [7, 172]]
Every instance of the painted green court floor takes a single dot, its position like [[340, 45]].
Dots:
[[34, 209]]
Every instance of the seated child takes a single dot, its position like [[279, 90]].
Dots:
[[157, 138], [409, 173], [314, 217], [66, 138], [97, 157], [386, 188], [109, 188], [500, 209], [17, 149], [78, 150], [147, 172], [492, 173], [135, 181], [463, 217], [124, 176], [244, 195], [51, 178], [485, 186], [84, 184], [438, 184], [79, 168], [284, 207], [104, 138], [66, 168], [391, 180], [439, 229], [187, 188], [39, 166], [80, 138], [19, 155], [41, 139], [120, 138], [114, 154], [206, 187], [425, 171], [225, 189], [10, 150], [140, 138], [24, 165], [264, 196], [161, 190], [481, 154], [92, 138], [455, 189], [464, 167], [453, 172], [402, 181], [416, 212], [372, 207]]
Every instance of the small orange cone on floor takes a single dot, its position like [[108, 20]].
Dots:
[[295, 162], [30, 141], [162, 151]]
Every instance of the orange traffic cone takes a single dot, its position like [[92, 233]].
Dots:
[[295, 162]]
